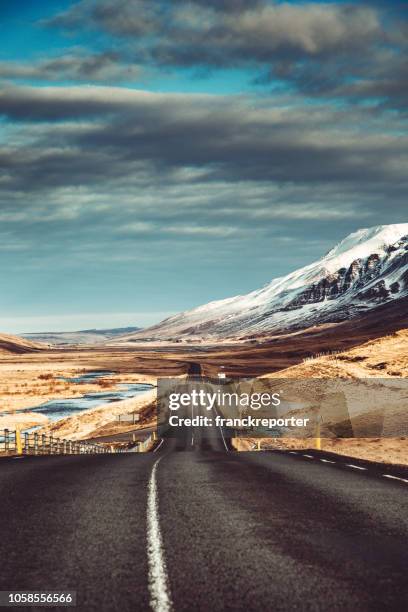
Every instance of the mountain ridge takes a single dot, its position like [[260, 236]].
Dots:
[[83, 336], [364, 270]]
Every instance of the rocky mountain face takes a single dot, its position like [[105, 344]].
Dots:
[[365, 270], [365, 277]]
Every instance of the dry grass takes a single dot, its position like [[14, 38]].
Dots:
[[381, 450], [380, 358]]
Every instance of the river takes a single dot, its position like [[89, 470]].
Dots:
[[61, 408]]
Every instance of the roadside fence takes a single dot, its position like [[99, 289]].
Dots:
[[32, 443]]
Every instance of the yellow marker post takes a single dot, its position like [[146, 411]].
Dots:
[[259, 445], [19, 446], [318, 435]]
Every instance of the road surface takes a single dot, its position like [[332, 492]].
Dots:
[[194, 526]]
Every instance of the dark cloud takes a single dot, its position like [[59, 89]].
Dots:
[[108, 134], [78, 67], [387, 83], [319, 48], [233, 6], [228, 32]]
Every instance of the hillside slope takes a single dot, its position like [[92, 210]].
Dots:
[[16, 345], [382, 357]]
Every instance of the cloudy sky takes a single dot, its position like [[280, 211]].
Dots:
[[158, 155]]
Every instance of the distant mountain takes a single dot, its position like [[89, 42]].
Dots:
[[367, 269], [84, 336], [17, 345]]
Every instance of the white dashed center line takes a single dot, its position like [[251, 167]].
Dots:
[[395, 478], [353, 466]]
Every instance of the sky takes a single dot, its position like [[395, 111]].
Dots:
[[155, 155]]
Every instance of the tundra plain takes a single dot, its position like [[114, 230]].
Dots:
[[31, 374]]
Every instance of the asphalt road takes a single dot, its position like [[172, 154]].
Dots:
[[194, 526]]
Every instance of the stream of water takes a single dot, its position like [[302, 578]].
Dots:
[[60, 408]]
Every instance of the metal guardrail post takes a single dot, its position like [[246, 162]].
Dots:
[[43, 443], [35, 443], [64, 446], [26, 443], [6, 440], [318, 435], [51, 443], [18, 445]]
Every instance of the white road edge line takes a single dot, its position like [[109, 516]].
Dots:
[[292, 453], [327, 461], [309, 456], [158, 446], [158, 581], [395, 478], [355, 467]]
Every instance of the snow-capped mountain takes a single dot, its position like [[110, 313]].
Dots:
[[366, 269]]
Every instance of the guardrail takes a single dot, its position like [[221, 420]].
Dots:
[[130, 417], [32, 443], [146, 445]]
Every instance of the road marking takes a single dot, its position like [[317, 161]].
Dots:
[[292, 453], [395, 478], [309, 456], [327, 461], [220, 428], [355, 467], [192, 439], [158, 579], [158, 446]]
